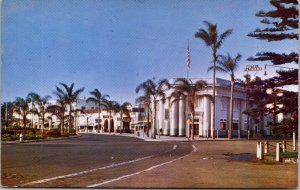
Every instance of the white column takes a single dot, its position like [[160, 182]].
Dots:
[[206, 111], [174, 118], [161, 116], [167, 121], [181, 120]]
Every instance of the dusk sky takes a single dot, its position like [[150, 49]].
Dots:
[[114, 45]]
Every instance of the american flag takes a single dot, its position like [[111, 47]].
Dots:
[[188, 60]]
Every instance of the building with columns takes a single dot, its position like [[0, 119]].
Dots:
[[174, 117]]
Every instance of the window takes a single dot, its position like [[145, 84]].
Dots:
[[223, 124], [97, 120], [82, 107], [224, 103], [92, 108], [236, 105], [235, 124], [167, 114]]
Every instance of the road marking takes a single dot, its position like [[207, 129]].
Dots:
[[92, 170], [142, 171]]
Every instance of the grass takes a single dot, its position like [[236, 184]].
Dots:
[[284, 154]]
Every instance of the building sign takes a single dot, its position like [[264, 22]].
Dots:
[[138, 109], [253, 68], [167, 114]]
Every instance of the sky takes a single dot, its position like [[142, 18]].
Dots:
[[114, 45]]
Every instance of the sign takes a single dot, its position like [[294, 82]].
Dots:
[[253, 68], [105, 116]]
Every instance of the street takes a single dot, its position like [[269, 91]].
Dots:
[[25, 163], [112, 161]]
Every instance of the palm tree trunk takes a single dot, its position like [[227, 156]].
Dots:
[[99, 119], [43, 122], [121, 124], [154, 120], [148, 119], [231, 111], [214, 93], [62, 123], [69, 120], [192, 128]]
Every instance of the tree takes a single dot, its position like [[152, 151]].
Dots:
[[212, 39], [228, 64], [281, 24], [154, 90], [22, 108], [257, 109], [70, 96], [146, 101], [7, 109], [123, 109], [111, 106], [99, 100], [185, 87], [42, 104], [59, 109]]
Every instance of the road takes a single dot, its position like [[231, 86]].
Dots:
[[111, 161], [86, 161]]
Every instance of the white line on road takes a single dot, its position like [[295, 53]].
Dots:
[[139, 172], [92, 170]]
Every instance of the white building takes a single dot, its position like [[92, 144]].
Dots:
[[174, 117]]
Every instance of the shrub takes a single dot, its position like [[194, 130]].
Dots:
[[53, 133]]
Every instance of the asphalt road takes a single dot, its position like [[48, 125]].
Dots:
[[86, 161]]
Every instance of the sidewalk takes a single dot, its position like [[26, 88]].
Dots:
[[170, 138]]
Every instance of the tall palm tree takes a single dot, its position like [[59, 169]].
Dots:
[[42, 103], [228, 64], [123, 109], [154, 91], [212, 39], [70, 95], [7, 109], [111, 106], [185, 87], [59, 108], [99, 100], [22, 108], [145, 101]]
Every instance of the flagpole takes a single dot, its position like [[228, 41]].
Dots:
[[188, 60]]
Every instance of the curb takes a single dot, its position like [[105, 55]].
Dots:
[[40, 140]]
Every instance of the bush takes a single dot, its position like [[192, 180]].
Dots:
[[53, 133]]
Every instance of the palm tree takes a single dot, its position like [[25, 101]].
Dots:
[[146, 101], [22, 108], [70, 95], [123, 109], [154, 90], [212, 39], [228, 64], [185, 87], [7, 109], [110, 107], [59, 109], [42, 103], [99, 100]]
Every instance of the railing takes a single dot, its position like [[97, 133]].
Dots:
[[275, 148]]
